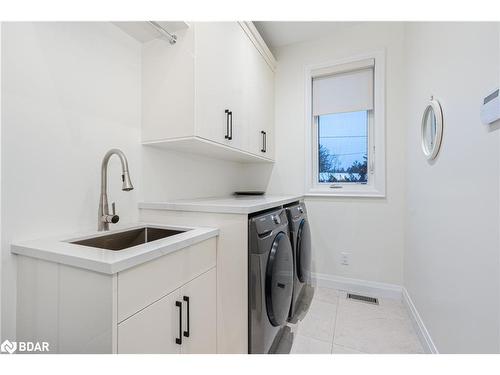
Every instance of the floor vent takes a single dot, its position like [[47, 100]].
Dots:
[[361, 298]]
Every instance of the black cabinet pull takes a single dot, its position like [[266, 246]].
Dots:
[[186, 299], [178, 340], [226, 136], [264, 141], [230, 125]]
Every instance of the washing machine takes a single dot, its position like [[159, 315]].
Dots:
[[300, 237], [270, 282]]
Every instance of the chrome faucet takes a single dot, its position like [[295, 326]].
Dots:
[[104, 216]]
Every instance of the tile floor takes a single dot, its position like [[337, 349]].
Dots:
[[337, 325]]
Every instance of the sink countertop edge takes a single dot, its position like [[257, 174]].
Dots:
[[58, 250]]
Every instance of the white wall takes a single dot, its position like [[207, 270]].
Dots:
[[371, 230], [452, 245], [173, 175], [70, 92]]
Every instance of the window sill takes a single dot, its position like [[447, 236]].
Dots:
[[369, 192]]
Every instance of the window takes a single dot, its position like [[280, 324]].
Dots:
[[343, 147], [345, 128]]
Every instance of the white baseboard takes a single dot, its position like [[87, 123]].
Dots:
[[422, 332], [370, 288], [382, 290]]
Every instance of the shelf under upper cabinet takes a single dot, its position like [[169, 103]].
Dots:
[[201, 146]]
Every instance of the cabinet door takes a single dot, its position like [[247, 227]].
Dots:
[[200, 322], [259, 103], [267, 110], [219, 62], [153, 330], [168, 88]]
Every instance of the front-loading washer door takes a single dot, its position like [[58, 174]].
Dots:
[[303, 254], [279, 280]]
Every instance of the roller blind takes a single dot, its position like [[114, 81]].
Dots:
[[345, 91]]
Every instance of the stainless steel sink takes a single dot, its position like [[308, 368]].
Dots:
[[129, 238]]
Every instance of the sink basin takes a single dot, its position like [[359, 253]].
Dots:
[[129, 238]]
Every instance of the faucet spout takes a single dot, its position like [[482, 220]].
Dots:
[[127, 184], [104, 217]]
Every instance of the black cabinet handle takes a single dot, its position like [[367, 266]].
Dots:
[[264, 141], [231, 125], [178, 340], [227, 124], [186, 299]]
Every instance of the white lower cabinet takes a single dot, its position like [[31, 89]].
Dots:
[[181, 322], [152, 330], [232, 275], [165, 305], [199, 323]]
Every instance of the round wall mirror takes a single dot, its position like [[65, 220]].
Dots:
[[432, 129]]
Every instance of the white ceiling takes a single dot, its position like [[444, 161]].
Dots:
[[278, 34]]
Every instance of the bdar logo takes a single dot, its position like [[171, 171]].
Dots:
[[8, 347]]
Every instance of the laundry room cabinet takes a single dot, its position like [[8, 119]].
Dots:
[[164, 305], [211, 93], [169, 305], [181, 322]]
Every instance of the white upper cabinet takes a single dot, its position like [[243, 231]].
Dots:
[[220, 82], [211, 93], [259, 94]]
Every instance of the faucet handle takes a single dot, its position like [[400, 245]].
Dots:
[[113, 217]]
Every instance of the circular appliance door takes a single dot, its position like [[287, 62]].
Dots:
[[279, 280], [304, 252]]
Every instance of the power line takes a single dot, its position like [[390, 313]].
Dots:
[[352, 153], [344, 136]]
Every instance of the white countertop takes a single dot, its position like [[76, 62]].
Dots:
[[60, 250], [229, 205]]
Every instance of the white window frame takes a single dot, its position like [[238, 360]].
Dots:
[[376, 132]]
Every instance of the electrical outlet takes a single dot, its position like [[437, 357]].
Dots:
[[344, 258]]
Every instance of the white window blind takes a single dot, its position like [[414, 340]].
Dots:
[[344, 91]]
